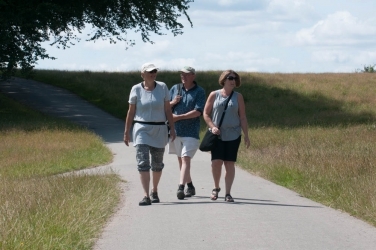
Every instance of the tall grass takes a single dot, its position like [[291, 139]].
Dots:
[[313, 133], [64, 212], [40, 209]]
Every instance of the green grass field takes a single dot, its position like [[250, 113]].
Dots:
[[39, 208], [313, 133]]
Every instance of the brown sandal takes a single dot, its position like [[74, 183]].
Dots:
[[214, 194]]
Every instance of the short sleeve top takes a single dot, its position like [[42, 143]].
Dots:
[[150, 108], [192, 99]]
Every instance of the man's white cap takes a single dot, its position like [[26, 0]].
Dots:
[[148, 67]]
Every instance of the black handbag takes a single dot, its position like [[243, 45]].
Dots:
[[210, 140]]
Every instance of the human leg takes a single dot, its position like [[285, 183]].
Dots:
[[156, 167], [229, 175], [216, 172], [156, 179], [185, 176], [180, 162], [230, 156], [154, 192], [143, 165], [145, 181], [186, 148], [185, 170]]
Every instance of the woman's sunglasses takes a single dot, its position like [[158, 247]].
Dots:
[[153, 71], [231, 78]]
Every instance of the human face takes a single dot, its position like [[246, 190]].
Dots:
[[230, 81], [150, 75], [187, 77]]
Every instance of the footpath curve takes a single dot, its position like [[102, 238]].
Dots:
[[263, 216]]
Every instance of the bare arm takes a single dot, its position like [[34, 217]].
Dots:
[[189, 115], [128, 123], [243, 120], [207, 111], [170, 120]]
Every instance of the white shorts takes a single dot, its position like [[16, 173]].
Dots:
[[183, 146]]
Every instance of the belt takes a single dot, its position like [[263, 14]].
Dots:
[[150, 123]]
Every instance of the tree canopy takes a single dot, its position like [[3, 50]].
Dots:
[[25, 24]]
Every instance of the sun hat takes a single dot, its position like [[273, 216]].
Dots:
[[188, 69], [148, 67]]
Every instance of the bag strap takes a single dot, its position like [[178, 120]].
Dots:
[[180, 86], [224, 111]]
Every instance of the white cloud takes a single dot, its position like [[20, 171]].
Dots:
[[262, 35], [227, 18], [157, 49], [340, 28], [223, 5], [290, 10], [330, 56]]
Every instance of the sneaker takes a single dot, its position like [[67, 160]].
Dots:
[[154, 197], [190, 191], [145, 201], [180, 194]]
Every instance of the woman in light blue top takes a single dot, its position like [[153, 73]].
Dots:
[[234, 122], [145, 126]]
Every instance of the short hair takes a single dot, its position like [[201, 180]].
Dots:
[[225, 74]]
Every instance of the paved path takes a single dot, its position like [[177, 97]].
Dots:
[[264, 215]]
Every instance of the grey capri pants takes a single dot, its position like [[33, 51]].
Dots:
[[143, 154]]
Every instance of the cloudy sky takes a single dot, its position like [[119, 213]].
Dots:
[[257, 36]]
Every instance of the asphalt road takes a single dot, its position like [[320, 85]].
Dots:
[[263, 216]]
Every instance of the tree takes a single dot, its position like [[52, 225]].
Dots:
[[367, 69], [25, 24]]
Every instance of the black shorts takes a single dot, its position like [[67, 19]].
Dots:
[[226, 150]]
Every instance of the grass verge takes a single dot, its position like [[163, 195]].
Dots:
[[39, 208]]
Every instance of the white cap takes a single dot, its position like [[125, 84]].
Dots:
[[148, 67]]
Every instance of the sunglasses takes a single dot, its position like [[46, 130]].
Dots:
[[231, 78], [153, 71]]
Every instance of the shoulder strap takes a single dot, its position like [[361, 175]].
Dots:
[[224, 111], [179, 89]]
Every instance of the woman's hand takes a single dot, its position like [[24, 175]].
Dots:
[[247, 142], [127, 138], [215, 131]]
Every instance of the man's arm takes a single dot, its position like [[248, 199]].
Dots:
[[189, 115]]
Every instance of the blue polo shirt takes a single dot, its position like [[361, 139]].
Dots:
[[192, 99]]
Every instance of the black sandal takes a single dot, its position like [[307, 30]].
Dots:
[[214, 194], [229, 198]]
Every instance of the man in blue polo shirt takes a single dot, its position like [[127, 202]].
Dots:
[[187, 102]]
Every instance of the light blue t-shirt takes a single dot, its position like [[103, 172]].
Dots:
[[150, 108], [230, 128]]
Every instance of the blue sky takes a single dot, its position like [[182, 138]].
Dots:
[[272, 36]]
